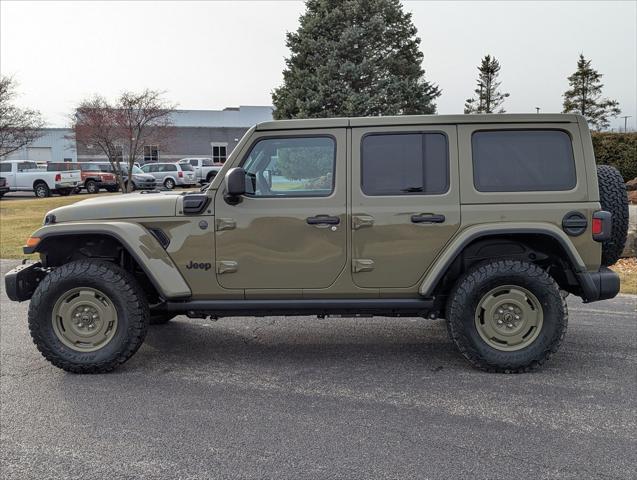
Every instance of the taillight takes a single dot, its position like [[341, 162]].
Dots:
[[181, 174], [58, 177], [601, 226]]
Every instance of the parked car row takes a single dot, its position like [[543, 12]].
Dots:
[[65, 178]]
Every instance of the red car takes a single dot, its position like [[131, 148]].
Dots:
[[93, 178]]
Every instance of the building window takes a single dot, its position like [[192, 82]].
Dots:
[[219, 152], [151, 153]]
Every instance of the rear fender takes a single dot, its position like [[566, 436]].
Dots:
[[465, 237]]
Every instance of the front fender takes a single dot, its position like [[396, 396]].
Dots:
[[138, 241], [466, 236]]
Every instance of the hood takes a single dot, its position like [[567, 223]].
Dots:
[[131, 205]]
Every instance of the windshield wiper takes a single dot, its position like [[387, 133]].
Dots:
[[413, 189]]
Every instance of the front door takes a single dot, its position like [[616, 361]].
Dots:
[[290, 232], [405, 202]]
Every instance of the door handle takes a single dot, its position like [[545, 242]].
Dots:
[[427, 218], [323, 220]]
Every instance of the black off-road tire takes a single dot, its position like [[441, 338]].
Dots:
[[127, 297], [211, 176], [470, 289], [613, 198], [161, 318]]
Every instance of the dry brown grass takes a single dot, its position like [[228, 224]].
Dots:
[[627, 270], [19, 218]]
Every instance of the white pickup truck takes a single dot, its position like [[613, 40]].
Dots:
[[24, 176], [205, 168]]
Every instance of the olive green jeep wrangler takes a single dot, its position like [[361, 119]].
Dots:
[[487, 221]]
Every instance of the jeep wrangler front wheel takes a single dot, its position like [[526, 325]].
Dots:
[[507, 316], [88, 317]]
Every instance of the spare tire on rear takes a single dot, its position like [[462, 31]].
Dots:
[[613, 198]]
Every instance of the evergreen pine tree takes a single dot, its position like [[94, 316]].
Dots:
[[488, 97], [584, 96], [354, 58]]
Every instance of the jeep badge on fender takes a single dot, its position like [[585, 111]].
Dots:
[[198, 266]]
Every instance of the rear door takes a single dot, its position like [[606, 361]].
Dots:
[[405, 201]]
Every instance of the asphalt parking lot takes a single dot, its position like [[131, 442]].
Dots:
[[298, 398]]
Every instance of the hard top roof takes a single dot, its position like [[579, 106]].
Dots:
[[510, 118]]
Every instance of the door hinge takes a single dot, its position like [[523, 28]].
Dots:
[[360, 221], [227, 266], [225, 224], [362, 265]]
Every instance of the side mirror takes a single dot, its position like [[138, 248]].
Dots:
[[235, 185]]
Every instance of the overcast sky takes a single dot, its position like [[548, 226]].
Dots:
[[209, 55]]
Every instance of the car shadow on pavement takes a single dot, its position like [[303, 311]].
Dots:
[[301, 342]]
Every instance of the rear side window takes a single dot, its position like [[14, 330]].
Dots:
[[523, 161], [404, 164], [5, 167]]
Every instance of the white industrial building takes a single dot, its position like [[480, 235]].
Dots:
[[209, 133]]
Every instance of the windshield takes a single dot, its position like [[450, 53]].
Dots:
[[137, 170]]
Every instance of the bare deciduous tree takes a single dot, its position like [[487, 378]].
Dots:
[[124, 128], [94, 126], [18, 126], [143, 119]]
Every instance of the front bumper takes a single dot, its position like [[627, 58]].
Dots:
[[21, 282], [600, 285], [145, 185]]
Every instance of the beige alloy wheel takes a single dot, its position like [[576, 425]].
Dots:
[[509, 318], [84, 319]]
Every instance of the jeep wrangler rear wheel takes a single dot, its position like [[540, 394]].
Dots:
[[88, 316], [507, 316]]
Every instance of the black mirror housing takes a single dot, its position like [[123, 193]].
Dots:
[[235, 181]]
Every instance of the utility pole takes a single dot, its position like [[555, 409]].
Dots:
[[537, 109], [626, 117]]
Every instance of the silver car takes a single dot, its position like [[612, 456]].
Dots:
[[171, 174]]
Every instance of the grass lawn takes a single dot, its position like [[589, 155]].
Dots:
[[20, 218]]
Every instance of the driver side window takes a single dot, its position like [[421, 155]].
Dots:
[[291, 167]]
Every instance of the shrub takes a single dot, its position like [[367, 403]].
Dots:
[[618, 150]]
